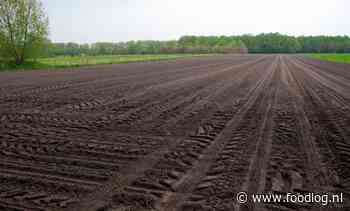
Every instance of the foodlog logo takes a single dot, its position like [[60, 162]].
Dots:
[[322, 199]]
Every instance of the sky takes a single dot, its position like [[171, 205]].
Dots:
[[88, 21]]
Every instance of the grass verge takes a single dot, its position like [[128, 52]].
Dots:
[[79, 61], [340, 58]]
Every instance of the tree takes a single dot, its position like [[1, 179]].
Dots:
[[23, 29]]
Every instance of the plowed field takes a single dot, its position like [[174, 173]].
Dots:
[[185, 135]]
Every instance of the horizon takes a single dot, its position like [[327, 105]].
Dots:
[[88, 21]]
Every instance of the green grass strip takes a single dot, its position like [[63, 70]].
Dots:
[[81, 61], [340, 58]]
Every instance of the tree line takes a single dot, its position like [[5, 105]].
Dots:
[[278, 43], [186, 44], [262, 43]]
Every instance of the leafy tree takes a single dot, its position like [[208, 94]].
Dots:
[[23, 29]]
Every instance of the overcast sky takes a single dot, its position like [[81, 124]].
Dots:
[[88, 21]]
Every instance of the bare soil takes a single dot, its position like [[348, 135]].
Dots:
[[184, 135]]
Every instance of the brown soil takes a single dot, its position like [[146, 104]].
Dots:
[[183, 135]]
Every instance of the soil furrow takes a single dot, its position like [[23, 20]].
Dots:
[[184, 135]]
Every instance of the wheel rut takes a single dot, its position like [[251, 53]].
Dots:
[[185, 135]]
